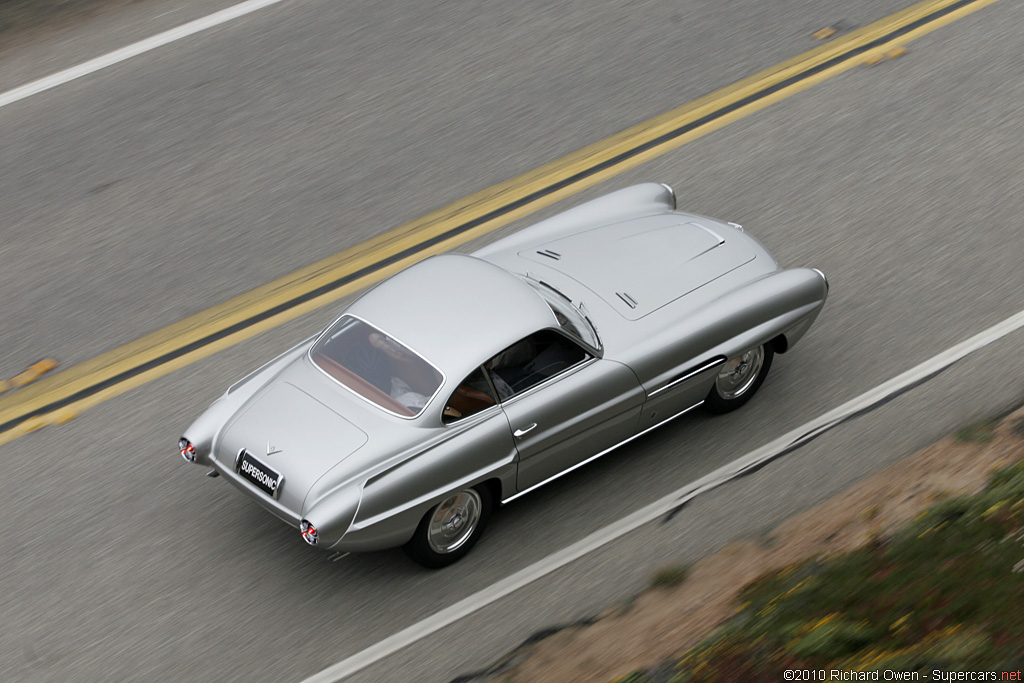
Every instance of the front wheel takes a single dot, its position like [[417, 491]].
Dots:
[[739, 379], [450, 529]]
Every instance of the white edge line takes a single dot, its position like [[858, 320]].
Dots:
[[541, 568], [133, 50]]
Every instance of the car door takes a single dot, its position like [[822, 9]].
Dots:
[[563, 405]]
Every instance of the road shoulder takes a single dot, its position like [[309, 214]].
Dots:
[[684, 604]]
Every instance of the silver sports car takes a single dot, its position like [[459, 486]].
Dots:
[[469, 380]]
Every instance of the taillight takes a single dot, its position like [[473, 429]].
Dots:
[[188, 451], [308, 532]]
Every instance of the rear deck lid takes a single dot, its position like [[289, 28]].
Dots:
[[288, 432]]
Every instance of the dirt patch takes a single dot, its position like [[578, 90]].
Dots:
[[664, 622]]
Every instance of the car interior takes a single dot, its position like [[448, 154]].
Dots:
[[521, 366]]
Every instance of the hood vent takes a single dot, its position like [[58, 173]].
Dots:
[[630, 301], [550, 254]]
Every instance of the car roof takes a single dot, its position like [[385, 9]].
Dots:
[[455, 310]]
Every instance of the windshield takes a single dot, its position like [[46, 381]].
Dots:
[[377, 367], [570, 317]]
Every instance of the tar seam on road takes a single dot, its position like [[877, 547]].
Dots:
[[820, 430], [496, 213]]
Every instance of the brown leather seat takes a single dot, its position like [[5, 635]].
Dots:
[[467, 400]]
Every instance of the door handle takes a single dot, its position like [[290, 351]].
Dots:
[[521, 432]]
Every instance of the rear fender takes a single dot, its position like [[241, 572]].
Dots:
[[204, 430], [394, 501]]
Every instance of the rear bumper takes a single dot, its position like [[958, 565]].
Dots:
[[227, 471]]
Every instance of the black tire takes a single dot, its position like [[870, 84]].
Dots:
[[733, 389], [438, 543]]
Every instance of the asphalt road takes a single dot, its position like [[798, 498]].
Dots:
[[164, 185]]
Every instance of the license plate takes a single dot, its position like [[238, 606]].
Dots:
[[262, 477]]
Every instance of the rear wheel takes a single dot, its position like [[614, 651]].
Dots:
[[450, 529], [739, 379]]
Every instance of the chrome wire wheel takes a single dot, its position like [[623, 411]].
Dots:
[[738, 375], [454, 521]]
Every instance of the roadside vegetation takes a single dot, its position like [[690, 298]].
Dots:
[[916, 568], [943, 592], [979, 432]]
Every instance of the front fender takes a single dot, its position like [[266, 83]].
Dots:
[[784, 301]]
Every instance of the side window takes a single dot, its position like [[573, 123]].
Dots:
[[532, 360], [471, 396]]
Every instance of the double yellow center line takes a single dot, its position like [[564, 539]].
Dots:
[[60, 397]]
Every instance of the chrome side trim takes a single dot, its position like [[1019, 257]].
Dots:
[[687, 375], [430, 499], [452, 430], [595, 457]]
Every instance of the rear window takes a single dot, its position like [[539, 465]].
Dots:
[[377, 367]]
